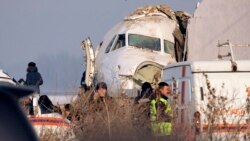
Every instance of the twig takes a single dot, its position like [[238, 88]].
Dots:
[[107, 110]]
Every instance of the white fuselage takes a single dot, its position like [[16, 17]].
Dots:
[[132, 45]]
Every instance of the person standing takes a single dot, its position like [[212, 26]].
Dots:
[[33, 77], [100, 106], [83, 86], [100, 92], [160, 111], [145, 93]]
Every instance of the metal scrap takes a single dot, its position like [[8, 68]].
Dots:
[[179, 16]]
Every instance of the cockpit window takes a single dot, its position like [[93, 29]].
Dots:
[[120, 42], [110, 45], [142, 41], [169, 48]]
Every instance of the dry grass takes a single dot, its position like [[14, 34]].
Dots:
[[52, 135], [110, 120], [117, 119], [216, 112], [120, 119]]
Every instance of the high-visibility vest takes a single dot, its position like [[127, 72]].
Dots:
[[163, 126]]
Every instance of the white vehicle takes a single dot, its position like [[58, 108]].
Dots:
[[213, 97], [41, 113], [134, 51], [4, 77], [46, 120], [14, 124]]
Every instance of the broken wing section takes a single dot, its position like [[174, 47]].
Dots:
[[89, 57]]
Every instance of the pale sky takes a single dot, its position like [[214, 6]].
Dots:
[[49, 32]]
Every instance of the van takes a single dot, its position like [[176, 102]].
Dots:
[[40, 112], [211, 97]]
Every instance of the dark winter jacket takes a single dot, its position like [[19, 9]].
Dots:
[[33, 78]]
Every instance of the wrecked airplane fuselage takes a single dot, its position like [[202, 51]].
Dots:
[[134, 51]]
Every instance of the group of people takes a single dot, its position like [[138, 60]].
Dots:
[[158, 99], [160, 112]]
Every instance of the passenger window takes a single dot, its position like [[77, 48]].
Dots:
[[120, 42], [110, 45]]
